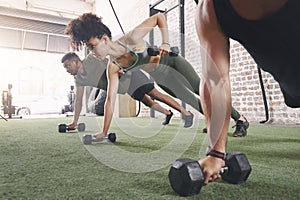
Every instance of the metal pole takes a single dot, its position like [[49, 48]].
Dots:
[[182, 37], [153, 11], [181, 26], [171, 9], [155, 4], [151, 41]]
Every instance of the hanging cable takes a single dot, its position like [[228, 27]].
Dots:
[[264, 97], [116, 17], [112, 7]]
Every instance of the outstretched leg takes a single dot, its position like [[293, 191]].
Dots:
[[188, 116], [147, 101], [183, 72], [176, 85], [168, 100]]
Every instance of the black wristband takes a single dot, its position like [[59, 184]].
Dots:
[[216, 154]]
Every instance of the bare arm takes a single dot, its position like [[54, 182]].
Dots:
[[78, 105], [138, 33], [215, 83], [112, 89]]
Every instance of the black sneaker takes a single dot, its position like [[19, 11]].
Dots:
[[241, 128], [204, 130], [188, 120], [168, 118]]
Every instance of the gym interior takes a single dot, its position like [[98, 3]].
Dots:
[[42, 159]]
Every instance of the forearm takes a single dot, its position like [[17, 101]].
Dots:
[[139, 32], [163, 26], [78, 103], [77, 110], [216, 101], [215, 86], [113, 83], [108, 115], [215, 92]]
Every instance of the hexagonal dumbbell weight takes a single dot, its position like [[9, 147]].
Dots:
[[186, 176], [88, 139], [62, 128], [174, 51], [112, 137], [81, 127], [237, 168], [154, 51]]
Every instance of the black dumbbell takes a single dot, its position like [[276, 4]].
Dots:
[[62, 128], [186, 176], [88, 139], [154, 51], [174, 51]]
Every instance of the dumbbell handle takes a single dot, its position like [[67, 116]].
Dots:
[[72, 129], [69, 129], [104, 138], [173, 51], [100, 139], [223, 170]]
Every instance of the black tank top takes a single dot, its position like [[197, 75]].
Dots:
[[273, 42]]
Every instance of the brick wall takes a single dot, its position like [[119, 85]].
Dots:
[[246, 90], [247, 94]]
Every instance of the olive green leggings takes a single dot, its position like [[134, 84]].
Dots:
[[178, 78]]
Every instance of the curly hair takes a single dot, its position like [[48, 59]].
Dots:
[[83, 28]]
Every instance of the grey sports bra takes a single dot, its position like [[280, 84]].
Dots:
[[125, 69], [138, 55]]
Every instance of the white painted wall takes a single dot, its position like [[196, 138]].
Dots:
[[65, 8], [52, 79], [55, 81], [122, 8]]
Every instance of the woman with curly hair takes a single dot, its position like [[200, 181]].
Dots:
[[173, 74]]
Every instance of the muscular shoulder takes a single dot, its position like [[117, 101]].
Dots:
[[206, 19], [112, 69]]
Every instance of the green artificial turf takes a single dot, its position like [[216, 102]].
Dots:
[[37, 162]]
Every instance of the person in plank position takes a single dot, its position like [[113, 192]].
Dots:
[[92, 72], [269, 30], [129, 53]]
